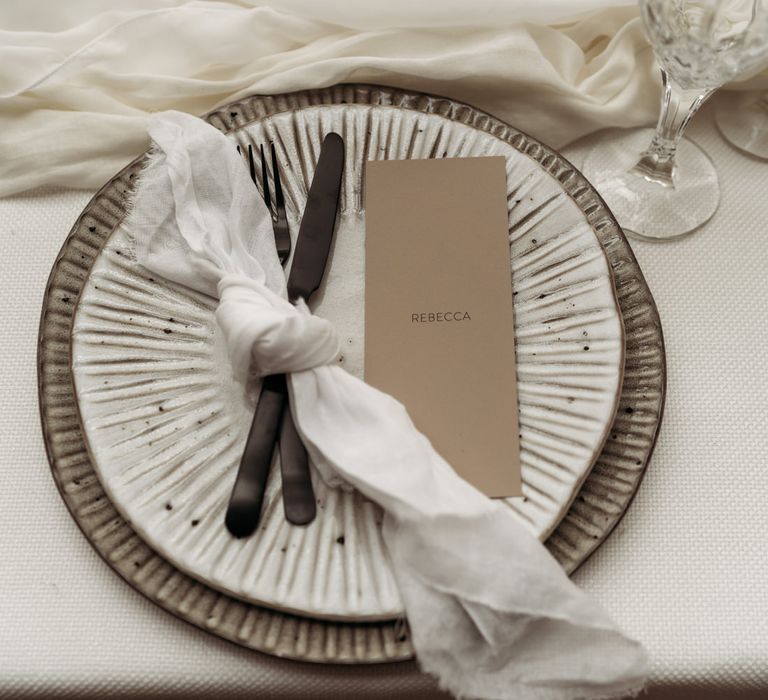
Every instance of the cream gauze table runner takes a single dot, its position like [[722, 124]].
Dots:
[[557, 69]]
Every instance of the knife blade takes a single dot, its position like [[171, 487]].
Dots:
[[316, 230], [272, 416]]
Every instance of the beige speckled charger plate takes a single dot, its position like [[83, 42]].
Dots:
[[603, 497]]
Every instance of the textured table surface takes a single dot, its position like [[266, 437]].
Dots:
[[685, 572]]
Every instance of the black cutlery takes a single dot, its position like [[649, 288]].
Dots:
[[298, 494], [272, 415]]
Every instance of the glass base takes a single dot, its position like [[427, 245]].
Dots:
[[745, 127], [645, 208]]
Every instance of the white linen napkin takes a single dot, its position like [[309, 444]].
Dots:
[[492, 614]]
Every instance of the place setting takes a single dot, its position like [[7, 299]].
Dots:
[[164, 423], [360, 374]]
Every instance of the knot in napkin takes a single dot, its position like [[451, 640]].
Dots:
[[492, 614], [269, 334]]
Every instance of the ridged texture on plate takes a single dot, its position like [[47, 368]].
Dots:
[[613, 481], [167, 425], [616, 476], [113, 537]]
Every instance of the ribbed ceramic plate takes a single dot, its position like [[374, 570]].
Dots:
[[601, 502], [166, 424]]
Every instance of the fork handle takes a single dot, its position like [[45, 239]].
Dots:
[[247, 498], [298, 495]]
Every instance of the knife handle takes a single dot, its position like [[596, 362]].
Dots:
[[298, 494], [247, 498]]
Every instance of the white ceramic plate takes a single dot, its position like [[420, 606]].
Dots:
[[165, 424]]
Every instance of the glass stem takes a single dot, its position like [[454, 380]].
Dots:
[[678, 105]]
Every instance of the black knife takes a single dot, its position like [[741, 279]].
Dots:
[[272, 416]]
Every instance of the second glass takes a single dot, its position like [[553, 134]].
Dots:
[[746, 125]]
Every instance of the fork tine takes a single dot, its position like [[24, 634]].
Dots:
[[251, 164], [279, 200], [265, 180]]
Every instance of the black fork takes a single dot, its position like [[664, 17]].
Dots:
[[247, 497], [279, 219]]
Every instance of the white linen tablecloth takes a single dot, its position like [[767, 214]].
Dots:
[[685, 573]]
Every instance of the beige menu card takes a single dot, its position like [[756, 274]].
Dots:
[[439, 333]]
